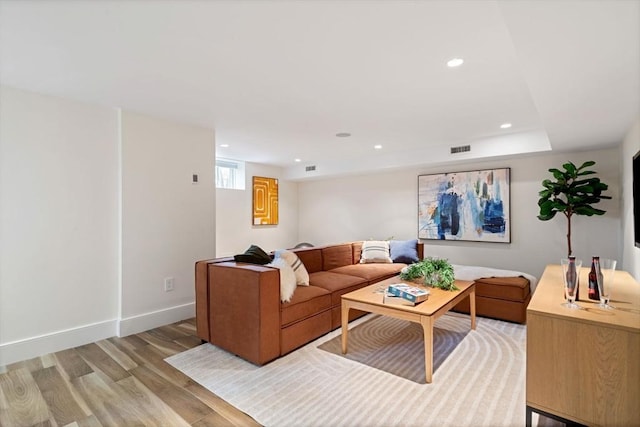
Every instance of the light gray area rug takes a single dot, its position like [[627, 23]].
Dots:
[[478, 379]]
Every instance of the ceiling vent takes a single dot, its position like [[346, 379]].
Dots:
[[310, 168], [460, 149]]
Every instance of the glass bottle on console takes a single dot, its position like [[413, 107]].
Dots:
[[594, 293], [573, 276]]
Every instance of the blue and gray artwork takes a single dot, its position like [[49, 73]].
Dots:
[[464, 206]]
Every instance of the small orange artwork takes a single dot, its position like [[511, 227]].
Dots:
[[265, 201]]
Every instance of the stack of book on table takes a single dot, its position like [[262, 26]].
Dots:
[[403, 294]]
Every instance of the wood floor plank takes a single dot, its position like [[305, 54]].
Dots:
[[128, 349], [150, 354], [97, 393], [189, 342], [152, 409], [90, 421], [214, 420], [220, 406], [116, 354], [61, 402], [72, 364], [168, 347], [189, 327], [31, 364], [170, 331], [134, 341], [116, 382], [180, 400], [169, 373], [95, 356], [21, 403]]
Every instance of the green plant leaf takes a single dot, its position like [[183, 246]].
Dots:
[[570, 168], [587, 164], [557, 174]]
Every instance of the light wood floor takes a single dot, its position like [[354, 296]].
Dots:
[[114, 382]]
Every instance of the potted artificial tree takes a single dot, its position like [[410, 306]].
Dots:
[[571, 193]]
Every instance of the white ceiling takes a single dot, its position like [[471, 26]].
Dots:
[[278, 79]]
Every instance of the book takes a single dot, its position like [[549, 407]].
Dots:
[[394, 300], [408, 292]]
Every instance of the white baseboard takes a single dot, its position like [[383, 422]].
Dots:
[[29, 348], [146, 321]]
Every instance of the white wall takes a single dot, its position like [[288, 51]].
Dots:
[[235, 231], [630, 254], [382, 205], [96, 209], [58, 223], [168, 223]]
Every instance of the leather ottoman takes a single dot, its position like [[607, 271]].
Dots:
[[504, 298]]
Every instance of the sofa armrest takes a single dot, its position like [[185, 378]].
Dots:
[[244, 310], [202, 296]]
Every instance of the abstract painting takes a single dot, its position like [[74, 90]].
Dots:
[[470, 206], [265, 201]]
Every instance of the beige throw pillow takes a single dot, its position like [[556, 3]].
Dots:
[[375, 251], [287, 279], [302, 276]]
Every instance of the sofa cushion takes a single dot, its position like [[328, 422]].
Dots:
[[336, 256], [311, 258], [302, 276], [253, 255], [404, 251], [505, 288], [307, 301], [287, 278], [371, 272], [375, 251], [336, 283]]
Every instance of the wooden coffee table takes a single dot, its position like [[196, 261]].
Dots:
[[370, 299]]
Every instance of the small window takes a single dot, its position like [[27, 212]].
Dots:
[[230, 174]]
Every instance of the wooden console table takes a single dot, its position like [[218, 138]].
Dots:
[[583, 366]]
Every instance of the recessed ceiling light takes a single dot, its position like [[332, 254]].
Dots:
[[297, 160], [378, 147], [224, 145], [343, 134], [455, 62], [505, 126]]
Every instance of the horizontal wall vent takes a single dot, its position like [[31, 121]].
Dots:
[[460, 149], [310, 168]]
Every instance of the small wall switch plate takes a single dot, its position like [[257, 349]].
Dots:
[[194, 178], [168, 284]]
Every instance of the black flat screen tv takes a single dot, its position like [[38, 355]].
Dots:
[[636, 198]]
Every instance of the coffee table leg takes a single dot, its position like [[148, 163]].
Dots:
[[345, 325], [427, 326], [472, 306]]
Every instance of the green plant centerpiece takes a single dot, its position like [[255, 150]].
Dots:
[[436, 272], [571, 194]]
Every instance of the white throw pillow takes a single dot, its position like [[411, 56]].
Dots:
[[375, 251], [287, 279], [302, 276]]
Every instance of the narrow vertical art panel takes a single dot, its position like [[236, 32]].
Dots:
[[471, 206], [265, 201]]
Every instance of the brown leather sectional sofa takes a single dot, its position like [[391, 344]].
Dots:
[[238, 305]]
